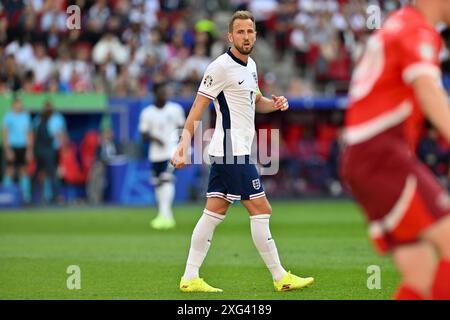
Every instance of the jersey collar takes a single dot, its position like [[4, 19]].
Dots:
[[242, 63]]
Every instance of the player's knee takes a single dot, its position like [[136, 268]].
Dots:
[[219, 209], [259, 206], [217, 205], [264, 206]]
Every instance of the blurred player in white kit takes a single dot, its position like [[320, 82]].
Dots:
[[159, 124]]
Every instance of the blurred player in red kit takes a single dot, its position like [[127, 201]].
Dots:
[[395, 86]]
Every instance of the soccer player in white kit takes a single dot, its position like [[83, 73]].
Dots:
[[159, 124], [231, 81]]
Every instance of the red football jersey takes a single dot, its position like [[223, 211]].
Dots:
[[381, 95]]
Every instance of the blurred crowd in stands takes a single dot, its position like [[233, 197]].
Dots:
[[124, 47]]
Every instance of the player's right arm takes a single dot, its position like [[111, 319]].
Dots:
[[213, 83], [434, 103], [181, 156]]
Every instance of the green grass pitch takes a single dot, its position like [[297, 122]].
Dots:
[[120, 257]]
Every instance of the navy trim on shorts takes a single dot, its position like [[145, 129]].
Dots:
[[234, 181]]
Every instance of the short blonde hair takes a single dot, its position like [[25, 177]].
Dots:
[[241, 15]]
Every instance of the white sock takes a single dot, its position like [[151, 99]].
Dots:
[[200, 242], [266, 245], [164, 195]]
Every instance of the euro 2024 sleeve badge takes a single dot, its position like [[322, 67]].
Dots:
[[207, 82]]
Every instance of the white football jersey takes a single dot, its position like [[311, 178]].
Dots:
[[163, 124], [232, 85]]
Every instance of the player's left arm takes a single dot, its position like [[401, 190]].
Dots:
[[266, 105]]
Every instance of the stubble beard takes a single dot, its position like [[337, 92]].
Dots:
[[243, 51]]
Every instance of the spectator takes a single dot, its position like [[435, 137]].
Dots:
[[53, 40], [145, 13], [124, 85], [36, 5], [196, 64], [151, 9], [153, 45], [11, 74], [109, 48], [134, 30], [107, 148], [53, 85], [219, 46], [122, 12], [22, 51], [98, 15], [53, 16], [82, 73], [100, 80], [18, 148], [283, 26], [333, 64], [334, 184], [178, 65], [57, 128], [300, 42], [64, 66], [263, 11], [207, 30], [29, 85], [12, 10], [27, 28], [41, 65], [48, 128], [3, 29], [4, 88], [96, 180]]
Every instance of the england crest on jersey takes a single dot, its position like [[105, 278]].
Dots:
[[255, 77], [256, 184]]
